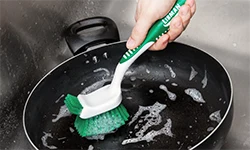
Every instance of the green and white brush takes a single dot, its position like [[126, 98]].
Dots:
[[101, 111]]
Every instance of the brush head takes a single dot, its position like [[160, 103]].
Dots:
[[73, 104], [100, 124], [103, 123]]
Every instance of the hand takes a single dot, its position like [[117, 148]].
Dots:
[[148, 11]]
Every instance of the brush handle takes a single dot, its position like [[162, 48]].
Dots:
[[159, 28]]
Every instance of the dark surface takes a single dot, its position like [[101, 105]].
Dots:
[[184, 112], [31, 45], [90, 32]]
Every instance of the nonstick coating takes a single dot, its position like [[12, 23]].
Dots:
[[190, 119]]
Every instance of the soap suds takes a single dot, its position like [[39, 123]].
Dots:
[[171, 95], [132, 78], [151, 119], [192, 74], [174, 84], [71, 129], [209, 129], [95, 86], [151, 91], [63, 112], [204, 80], [44, 140], [105, 55], [147, 71], [96, 137], [195, 94], [151, 134], [154, 111], [94, 59], [215, 116], [59, 98], [102, 69], [173, 75], [91, 147]]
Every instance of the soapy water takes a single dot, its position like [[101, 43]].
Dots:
[[94, 59], [171, 95], [174, 84], [173, 75], [44, 140], [105, 55], [151, 91], [99, 136], [209, 129], [147, 71], [192, 74], [129, 97], [132, 78], [154, 110], [195, 94], [59, 98], [63, 112], [103, 69], [151, 134], [96, 137], [62, 138], [95, 86], [91, 147], [71, 129], [215, 116], [152, 118], [204, 80]]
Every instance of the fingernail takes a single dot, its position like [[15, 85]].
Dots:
[[130, 43]]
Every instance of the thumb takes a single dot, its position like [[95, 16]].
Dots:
[[139, 32]]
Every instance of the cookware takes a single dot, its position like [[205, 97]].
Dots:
[[178, 98]]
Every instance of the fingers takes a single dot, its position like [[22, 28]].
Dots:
[[176, 28], [139, 32], [192, 5], [185, 14], [143, 23], [161, 43]]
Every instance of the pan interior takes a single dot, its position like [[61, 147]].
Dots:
[[161, 91]]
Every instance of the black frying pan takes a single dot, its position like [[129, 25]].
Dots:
[[192, 125]]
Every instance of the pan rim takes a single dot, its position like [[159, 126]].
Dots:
[[114, 43]]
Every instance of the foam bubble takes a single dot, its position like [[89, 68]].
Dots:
[[204, 80], [44, 140], [91, 147], [215, 116], [103, 69], [173, 75], [195, 94], [171, 95], [192, 74], [151, 134], [63, 112]]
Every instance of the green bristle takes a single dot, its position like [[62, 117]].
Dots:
[[103, 123], [73, 104]]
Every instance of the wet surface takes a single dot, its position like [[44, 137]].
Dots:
[[32, 44]]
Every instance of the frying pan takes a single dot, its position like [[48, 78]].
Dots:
[[172, 81]]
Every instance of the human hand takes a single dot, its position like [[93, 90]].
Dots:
[[148, 11]]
